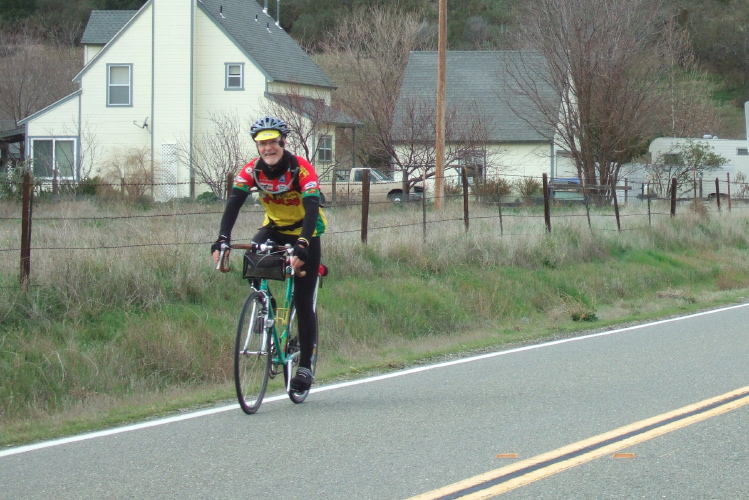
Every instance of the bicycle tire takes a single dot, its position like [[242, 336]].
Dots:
[[293, 347], [252, 354]]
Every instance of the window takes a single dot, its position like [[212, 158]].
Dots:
[[325, 148], [742, 151], [119, 85], [234, 76], [671, 159], [50, 155], [474, 161]]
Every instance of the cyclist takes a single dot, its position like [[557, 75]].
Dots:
[[290, 195]]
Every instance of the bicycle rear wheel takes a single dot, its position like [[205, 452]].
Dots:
[[252, 354], [293, 350]]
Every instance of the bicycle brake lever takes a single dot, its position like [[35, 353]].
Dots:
[[220, 259]]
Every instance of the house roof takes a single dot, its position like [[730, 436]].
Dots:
[[103, 25], [270, 47], [314, 109], [10, 132], [480, 80]]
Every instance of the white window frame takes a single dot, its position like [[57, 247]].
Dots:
[[742, 151], [228, 77], [325, 145], [129, 86], [55, 161]]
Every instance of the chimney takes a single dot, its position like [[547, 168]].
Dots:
[[278, 13]]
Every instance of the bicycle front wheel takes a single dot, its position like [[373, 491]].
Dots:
[[252, 354]]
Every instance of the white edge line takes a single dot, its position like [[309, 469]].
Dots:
[[213, 411]]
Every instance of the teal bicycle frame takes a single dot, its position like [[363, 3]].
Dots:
[[266, 344], [280, 316]]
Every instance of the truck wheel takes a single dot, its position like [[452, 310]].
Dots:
[[396, 197]]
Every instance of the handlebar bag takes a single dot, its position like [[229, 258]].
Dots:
[[264, 266]]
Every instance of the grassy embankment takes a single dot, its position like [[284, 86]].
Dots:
[[110, 336]]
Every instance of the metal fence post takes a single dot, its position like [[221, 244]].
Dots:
[[547, 210], [364, 205], [499, 208], [464, 178]]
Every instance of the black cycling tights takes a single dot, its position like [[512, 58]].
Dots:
[[304, 290]]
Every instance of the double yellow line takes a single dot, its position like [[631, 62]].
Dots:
[[496, 482]]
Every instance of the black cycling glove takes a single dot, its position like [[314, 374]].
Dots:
[[300, 250], [216, 247]]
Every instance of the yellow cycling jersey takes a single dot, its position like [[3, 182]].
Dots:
[[282, 197]]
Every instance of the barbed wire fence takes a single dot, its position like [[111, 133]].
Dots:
[[460, 191]]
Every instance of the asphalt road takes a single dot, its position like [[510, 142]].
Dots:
[[410, 432]]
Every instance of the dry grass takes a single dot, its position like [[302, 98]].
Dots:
[[125, 310]]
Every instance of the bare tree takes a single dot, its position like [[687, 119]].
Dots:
[[367, 55], [603, 60], [308, 117], [133, 166], [36, 69], [216, 153], [466, 141]]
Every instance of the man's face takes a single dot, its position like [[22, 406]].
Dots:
[[270, 151]]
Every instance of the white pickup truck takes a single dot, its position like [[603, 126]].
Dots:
[[348, 187]]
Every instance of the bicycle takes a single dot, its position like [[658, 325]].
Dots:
[[267, 340]]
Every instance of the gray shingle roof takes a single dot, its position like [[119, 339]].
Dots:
[[270, 46], [277, 54], [314, 109], [479, 78], [104, 24]]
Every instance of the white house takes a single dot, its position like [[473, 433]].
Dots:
[[152, 78], [512, 139]]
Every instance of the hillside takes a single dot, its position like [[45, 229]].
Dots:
[[717, 29]]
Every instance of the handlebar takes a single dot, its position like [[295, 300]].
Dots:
[[267, 247]]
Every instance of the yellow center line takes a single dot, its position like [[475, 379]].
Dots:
[[498, 481]]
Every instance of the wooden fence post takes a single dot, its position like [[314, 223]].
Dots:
[[26, 207], [364, 205], [586, 200], [673, 196], [333, 188], [464, 178], [229, 184], [616, 209], [717, 192], [728, 189], [122, 188], [547, 210]]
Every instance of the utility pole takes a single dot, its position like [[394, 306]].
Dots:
[[439, 175]]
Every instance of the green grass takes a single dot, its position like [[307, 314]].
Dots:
[[106, 337]]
